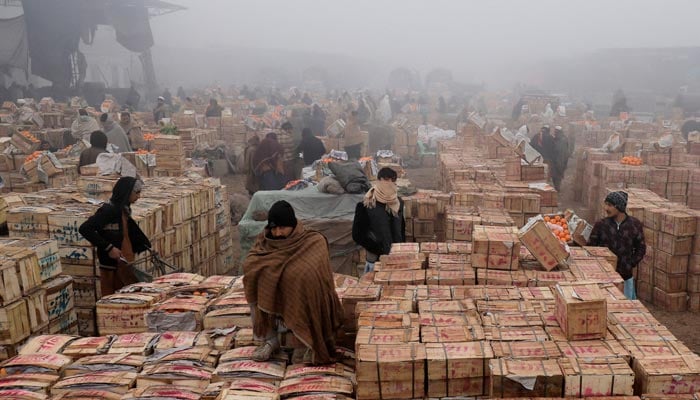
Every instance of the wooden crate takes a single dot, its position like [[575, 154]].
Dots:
[[457, 369], [46, 251], [26, 266], [495, 247], [542, 243], [524, 350], [59, 296], [9, 283], [593, 349], [525, 378], [451, 334], [14, 323], [87, 324], [581, 310], [37, 308], [674, 302], [86, 291], [114, 382], [391, 371], [28, 222], [588, 377], [122, 313], [411, 277], [184, 313], [66, 324], [669, 375], [450, 277], [515, 333]]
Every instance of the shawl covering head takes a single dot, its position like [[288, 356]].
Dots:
[[383, 192], [292, 278]]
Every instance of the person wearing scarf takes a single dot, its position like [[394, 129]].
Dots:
[[83, 126], [117, 237], [133, 132], [288, 281], [379, 220]]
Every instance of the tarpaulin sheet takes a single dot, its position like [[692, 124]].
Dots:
[[329, 214], [14, 51]]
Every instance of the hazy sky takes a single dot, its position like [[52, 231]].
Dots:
[[471, 37]]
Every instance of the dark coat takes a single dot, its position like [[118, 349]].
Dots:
[[105, 229], [313, 149], [375, 229]]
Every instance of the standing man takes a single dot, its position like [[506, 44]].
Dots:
[[214, 109], [117, 236], [559, 157], [542, 142], [288, 279], [161, 111], [379, 221], [290, 158], [133, 133], [623, 235], [311, 147], [115, 134]]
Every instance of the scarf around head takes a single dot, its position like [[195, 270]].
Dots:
[[383, 192]]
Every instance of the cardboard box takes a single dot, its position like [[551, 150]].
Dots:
[[586, 377], [495, 247], [391, 371], [525, 378], [581, 310], [669, 375], [458, 369], [542, 243]]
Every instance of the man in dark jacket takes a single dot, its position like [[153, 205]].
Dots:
[[98, 145], [542, 142], [379, 221], [559, 157], [623, 235], [311, 146], [117, 237]]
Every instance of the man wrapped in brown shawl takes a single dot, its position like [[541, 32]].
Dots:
[[288, 276]]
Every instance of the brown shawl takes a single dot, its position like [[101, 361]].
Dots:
[[292, 278]]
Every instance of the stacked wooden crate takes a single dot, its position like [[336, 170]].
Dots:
[[670, 173], [424, 213], [189, 227], [58, 288], [170, 155]]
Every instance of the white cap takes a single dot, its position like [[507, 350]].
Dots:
[[161, 98]]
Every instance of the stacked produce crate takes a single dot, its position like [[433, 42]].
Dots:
[[188, 226], [170, 155]]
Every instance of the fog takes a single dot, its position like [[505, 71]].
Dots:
[[494, 41]]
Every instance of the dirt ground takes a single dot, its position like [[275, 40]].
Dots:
[[683, 325]]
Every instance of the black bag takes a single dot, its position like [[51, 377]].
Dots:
[[351, 176]]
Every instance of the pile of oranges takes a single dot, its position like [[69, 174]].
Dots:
[[31, 137], [631, 160], [143, 152], [32, 157], [559, 227], [149, 137]]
